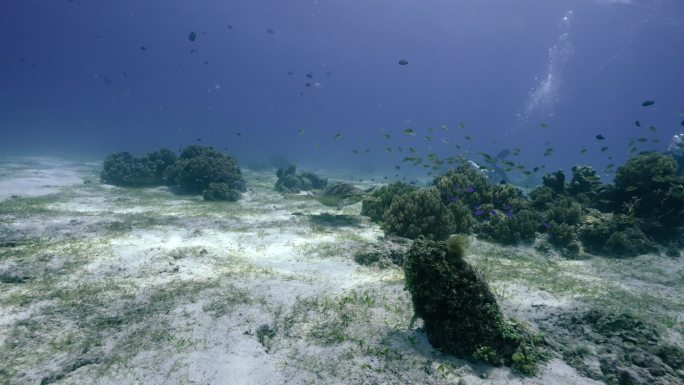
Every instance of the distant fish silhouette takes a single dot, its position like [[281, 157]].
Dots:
[[503, 153], [648, 103], [403, 62]]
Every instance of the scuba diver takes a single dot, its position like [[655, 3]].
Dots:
[[676, 150], [493, 171]]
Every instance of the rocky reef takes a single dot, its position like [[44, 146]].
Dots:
[[198, 170], [642, 211]]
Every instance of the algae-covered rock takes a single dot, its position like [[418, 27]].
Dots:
[[417, 213], [382, 198], [199, 166], [460, 312]]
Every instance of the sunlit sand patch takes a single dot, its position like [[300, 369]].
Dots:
[[37, 176]]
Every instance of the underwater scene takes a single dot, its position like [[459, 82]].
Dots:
[[369, 192]]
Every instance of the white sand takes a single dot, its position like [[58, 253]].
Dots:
[[31, 177]]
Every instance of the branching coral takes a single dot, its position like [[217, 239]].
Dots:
[[464, 184], [555, 181], [419, 212], [123, 169], [651, 178], [198, 167], [509, 228], [221, 192], [381, 199], [616, 235]]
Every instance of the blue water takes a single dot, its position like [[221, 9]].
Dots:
[[85, 78]]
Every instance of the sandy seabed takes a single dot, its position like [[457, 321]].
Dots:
[[109, 285]]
